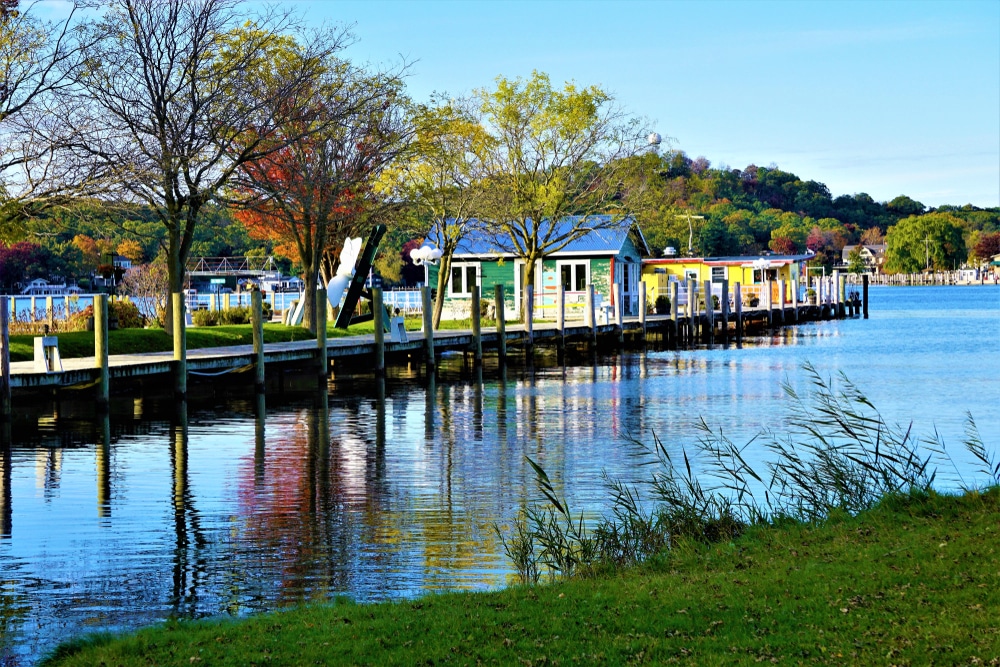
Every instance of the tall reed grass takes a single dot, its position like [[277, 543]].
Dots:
[[836, 454]]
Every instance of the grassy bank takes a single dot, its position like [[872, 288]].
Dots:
[[912, 581]]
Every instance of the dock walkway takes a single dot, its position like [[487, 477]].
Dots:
[[219, 360]]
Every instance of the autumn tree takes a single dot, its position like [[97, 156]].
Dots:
[[553, 152], [319, 186], [172, 86], [987, 245], [872, 236], [442, 178]]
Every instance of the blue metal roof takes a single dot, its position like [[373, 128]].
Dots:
[[607, 239]]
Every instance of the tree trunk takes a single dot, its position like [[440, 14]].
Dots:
[[309, 306], [443, 275], [175, 279]]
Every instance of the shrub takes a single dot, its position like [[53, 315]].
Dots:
[[205, 318], [127, 314], [662, 305]]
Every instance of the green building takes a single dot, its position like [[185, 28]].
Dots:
[[608, 253]]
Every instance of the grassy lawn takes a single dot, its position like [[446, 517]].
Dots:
[[914, 581]]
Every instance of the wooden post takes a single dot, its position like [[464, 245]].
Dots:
[[561, 317], [864, 294], [257, 326], [642, 312], [5, 405], [781, 299], [320, 315], [590, 314], [378, 313], [50, 313], [616, 295], [795, 299], [180, 346], [425, 294], [708, 326], [476, 315], [725, 307], [674, 298], [766, 288], [213, 302], [692, 310], [738, 302], [101, 349], [529, 316], [498, 303]]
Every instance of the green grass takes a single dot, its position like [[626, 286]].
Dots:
[[912, 581]]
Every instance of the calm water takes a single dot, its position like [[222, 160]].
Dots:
[[117, 523]]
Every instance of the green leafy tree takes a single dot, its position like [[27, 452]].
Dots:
[[926, 241], [553, 152], [856, 262], [441, 177]]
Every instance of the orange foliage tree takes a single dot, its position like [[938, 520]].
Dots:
[[317, 188]]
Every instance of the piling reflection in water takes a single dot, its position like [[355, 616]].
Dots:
[[6, 504], [102, 459]]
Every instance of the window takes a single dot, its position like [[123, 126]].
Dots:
[[574, 276], [463, 280], [718, 274]]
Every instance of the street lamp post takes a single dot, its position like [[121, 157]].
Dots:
[[654, 141]]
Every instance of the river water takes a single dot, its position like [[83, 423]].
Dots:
[[233, 507]]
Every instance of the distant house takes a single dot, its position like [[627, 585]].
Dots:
[[42, 287], [872, 255], [600, 257]]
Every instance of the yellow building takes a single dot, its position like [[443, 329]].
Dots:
[[751, 272]]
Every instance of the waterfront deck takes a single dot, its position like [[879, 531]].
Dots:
[[221, 360]]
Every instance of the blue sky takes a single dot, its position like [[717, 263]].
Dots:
[[886, 97]]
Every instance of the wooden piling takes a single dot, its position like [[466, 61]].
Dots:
[[561, 318], [709, 333], [590, 315], [725, 308], [642, 312], [5, 405], [616, 292], [692, 311], [738, 302], [322, 360], [795, 300], [476, 313], [529, 317], [101, 350], [257, 327], [378, 313], [864, 295], [425, 295], [674, 297], [781, 300], [50, 313], [499, 305], [180, 346], [767, 287]]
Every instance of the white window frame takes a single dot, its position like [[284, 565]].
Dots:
[[465, 292], [721, 270], [574, 265]]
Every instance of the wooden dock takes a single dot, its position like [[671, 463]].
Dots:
[[673, 330]]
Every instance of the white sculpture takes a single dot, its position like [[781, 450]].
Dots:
[[345, 271]]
